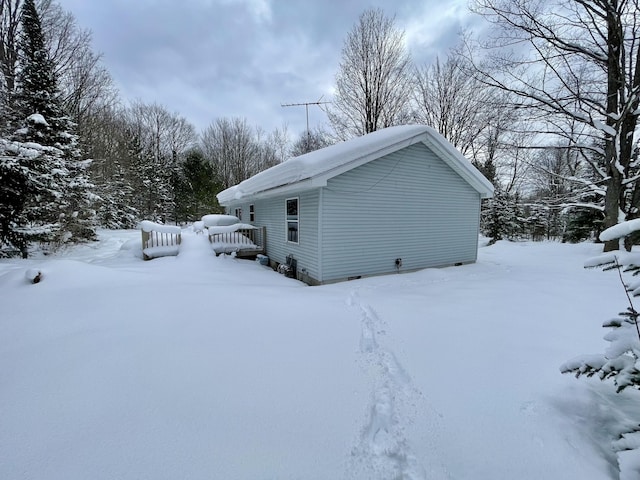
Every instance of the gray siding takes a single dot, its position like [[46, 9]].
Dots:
[[407, 205], [270, 213]]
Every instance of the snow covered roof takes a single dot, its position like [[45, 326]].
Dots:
[[315, 168]]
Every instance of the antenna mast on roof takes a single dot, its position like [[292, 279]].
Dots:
[[306, 106]]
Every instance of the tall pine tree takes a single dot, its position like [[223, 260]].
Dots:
[[37, 88], [195, 188], [13, 193], [58, 208]]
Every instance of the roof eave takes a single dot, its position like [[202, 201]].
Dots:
[[321, 179], [452, 157], [293, 187]]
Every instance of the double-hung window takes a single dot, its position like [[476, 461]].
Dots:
[[292, 219], [252, 213]]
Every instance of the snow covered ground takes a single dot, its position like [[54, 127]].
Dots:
[[198, 367]]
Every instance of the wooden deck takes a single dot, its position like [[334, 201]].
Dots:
[[244, 242], [159, 240]]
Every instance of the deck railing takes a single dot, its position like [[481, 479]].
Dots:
[[243, 241], [159, 240]]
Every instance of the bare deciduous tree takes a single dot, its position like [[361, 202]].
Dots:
[[229, 144], [85, 85], [373, 84], [9, 27], [454, 102], [581, 62], [238, 151], [310, 141], [279, 141], [162, 140], [271, 149], [165, 135]]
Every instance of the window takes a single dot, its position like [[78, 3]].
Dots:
[[292, 220], [239, 213], [252, 213]]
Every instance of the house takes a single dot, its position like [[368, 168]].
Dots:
[[395, 200]]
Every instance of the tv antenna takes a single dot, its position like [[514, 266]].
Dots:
[[306, 106]]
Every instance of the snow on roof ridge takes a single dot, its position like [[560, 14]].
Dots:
[[319, 162]]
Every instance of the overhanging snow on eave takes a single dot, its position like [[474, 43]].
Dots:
[[320, 180], [315, 179], [289, 188]]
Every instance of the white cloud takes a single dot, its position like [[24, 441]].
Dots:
[[260, 10], [435, 29]]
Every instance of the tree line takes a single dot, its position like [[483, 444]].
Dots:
[[545, 105], [74, 157]]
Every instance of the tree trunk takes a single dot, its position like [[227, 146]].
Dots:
[[612, 207], [614, 198]]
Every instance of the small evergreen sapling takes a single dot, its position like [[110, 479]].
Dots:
[[620, 362]]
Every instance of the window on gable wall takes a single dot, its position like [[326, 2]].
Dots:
[[292, 219], [252, 213]]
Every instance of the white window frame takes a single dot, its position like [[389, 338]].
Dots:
[[287, 220], [252, 213], [238, 213]]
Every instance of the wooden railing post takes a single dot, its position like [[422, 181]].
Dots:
[[145, 239]]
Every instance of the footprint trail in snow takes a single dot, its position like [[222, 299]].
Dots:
[[382, 450]]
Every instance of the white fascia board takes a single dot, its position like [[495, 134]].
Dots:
[[295, 187]]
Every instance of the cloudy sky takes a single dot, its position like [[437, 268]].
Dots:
[[221, 58]]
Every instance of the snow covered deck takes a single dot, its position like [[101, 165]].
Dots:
[[241, 239], [159, 240]]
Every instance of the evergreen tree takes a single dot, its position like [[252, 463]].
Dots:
[[536, 222], [196, 188], [58, 207], [37, 97], [116, 199], [544, 220], [583, 224], [113, 147], [488, 169], [13, 192], [152, 182], [620, 362], [79, 218], [46, 174], [500, 217]]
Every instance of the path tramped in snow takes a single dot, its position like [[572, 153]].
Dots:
[[382, 450]]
